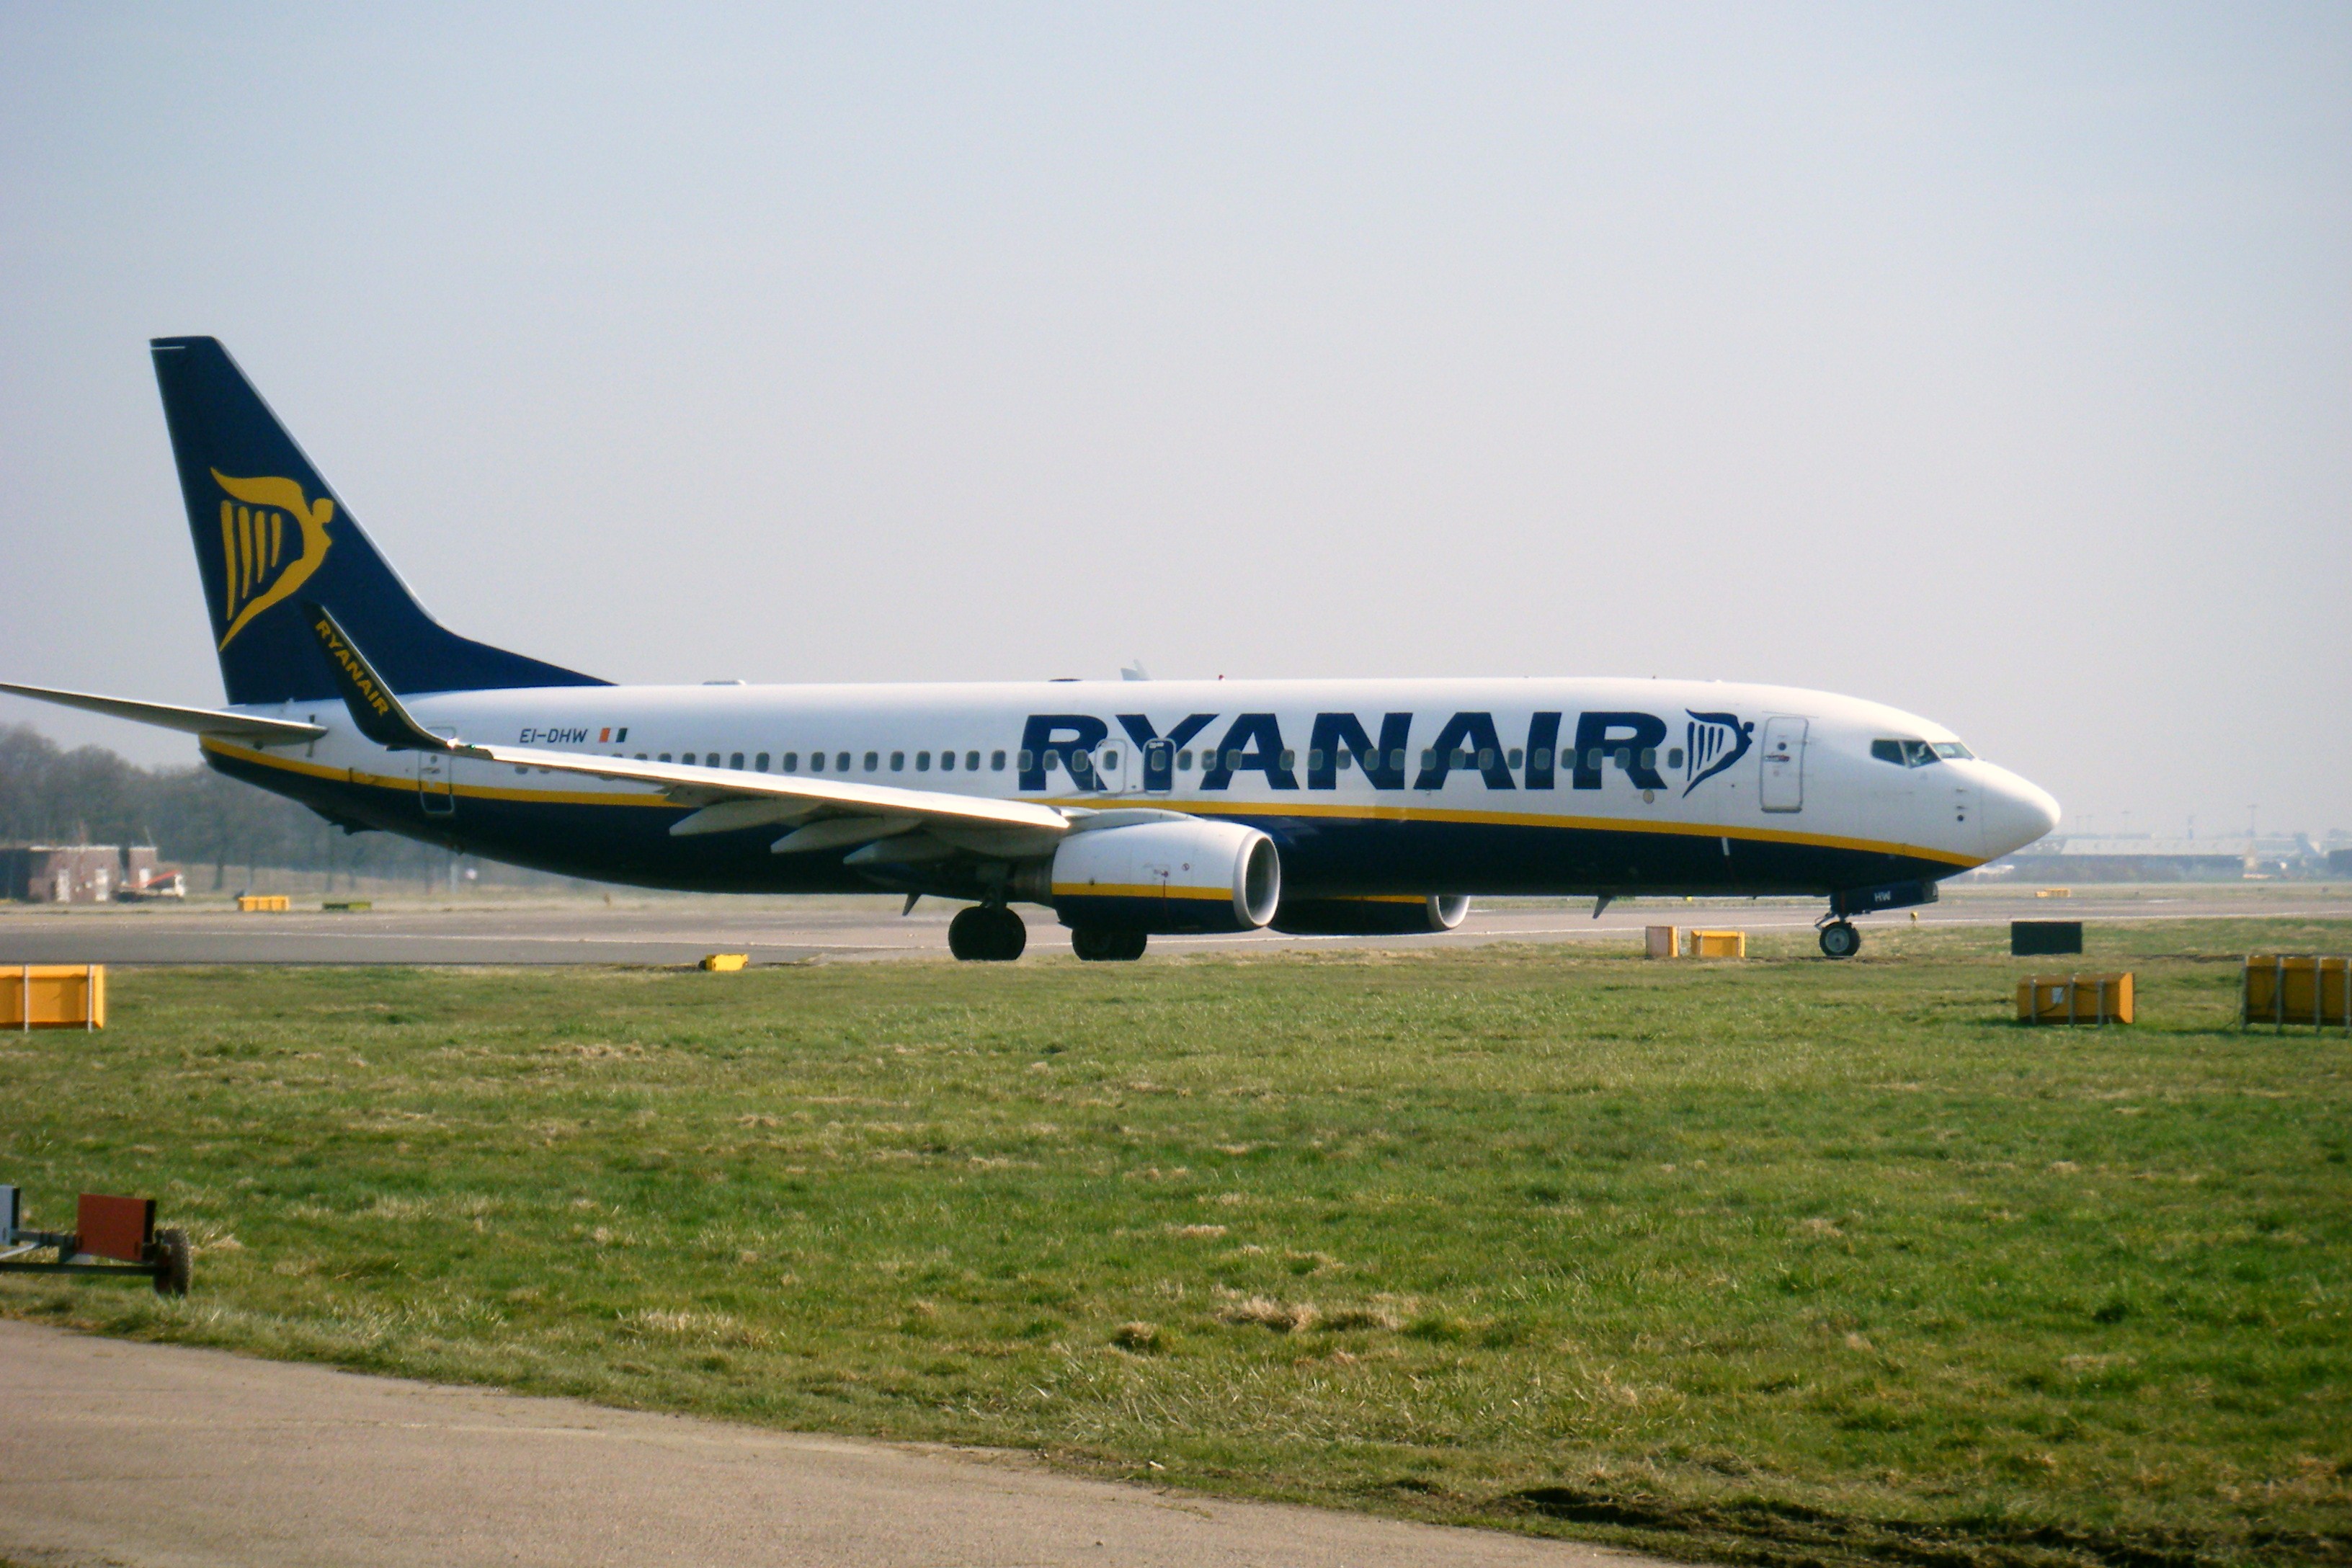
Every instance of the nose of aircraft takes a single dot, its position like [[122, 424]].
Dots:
[[2016, 813]]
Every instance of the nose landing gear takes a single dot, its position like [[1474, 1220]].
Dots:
[[1839, 939], [987, 933]]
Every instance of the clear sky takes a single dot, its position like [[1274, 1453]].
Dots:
[[1995, 362]]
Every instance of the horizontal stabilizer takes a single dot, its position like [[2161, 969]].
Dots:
[[247, 727]]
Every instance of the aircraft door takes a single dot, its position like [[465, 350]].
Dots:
[[1117, 768], [1783, 786], [435, 790], [1156, 767]]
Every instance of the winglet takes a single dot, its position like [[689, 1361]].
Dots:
[[375, 709]]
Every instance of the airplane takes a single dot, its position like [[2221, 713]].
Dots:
[[1130, 808]]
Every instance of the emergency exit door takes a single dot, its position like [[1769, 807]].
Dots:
[[1783, 788]]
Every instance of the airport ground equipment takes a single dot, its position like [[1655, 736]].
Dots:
[[52, 996], [1718, 944], [725, 962], [347, 906], [111, 1235], [1660, 941], [2284, 988], [263, 903], [2074, 999], [2037, 939]]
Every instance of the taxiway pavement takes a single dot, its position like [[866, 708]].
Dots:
[[487, 927], [152, 1456]]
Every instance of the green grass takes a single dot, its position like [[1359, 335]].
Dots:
[[1787, 1261]]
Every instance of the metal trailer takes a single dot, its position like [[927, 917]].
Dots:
[[111, 1235]]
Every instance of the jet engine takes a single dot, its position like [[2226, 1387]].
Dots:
[[1375, 916], [1170, 874]]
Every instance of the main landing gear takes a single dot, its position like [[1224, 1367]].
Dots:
[[1839, 939], [987, 933], [1096, 945]]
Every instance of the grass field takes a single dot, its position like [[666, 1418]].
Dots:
[[1787, 1261]]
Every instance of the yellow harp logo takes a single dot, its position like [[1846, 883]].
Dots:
[[263, 564]]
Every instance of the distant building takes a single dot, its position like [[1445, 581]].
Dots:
[[2339, 862], [2153, 859], [84, 874]]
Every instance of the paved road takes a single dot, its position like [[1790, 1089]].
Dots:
[[161, 1457], [489, 928]]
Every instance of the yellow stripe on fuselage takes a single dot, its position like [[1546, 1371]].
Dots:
[[1299, 809]]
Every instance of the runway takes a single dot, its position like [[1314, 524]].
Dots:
[[489, 928]]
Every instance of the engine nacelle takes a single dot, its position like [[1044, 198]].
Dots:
[[1372, 916], [1168, 875]]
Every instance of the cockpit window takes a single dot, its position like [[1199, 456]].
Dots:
[[1916, 753]]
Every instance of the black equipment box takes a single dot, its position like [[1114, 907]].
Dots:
[[2033, 939]]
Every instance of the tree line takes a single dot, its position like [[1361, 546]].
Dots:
[[196, 817]]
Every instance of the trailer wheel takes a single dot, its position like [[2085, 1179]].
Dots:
[[175, 1263]]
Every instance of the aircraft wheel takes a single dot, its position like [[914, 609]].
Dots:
[[1096, 945], [984, 935], [1130, 946], [1839, 939]]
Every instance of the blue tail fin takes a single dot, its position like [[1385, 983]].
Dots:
[[271, 537]]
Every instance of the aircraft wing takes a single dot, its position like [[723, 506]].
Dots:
[[171, 716], [728, 799], [731, 799]]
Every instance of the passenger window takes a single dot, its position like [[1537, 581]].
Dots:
[[641, 756], [841, 761], [1053, 761], [873, 761], [1512, 761], [1542, 758], [792, 761], [1673, 756], [1343, 757], [1887, 751], [1183, 761], [897, 762], [1592, 760], [1649, 757], [1233, 762], [1110, 758], [947, 761], [972, 762], [816, 761], [1314, 760], [1428, 760], [995, 761], [1289, 761], [665, 757], [736, 762], [1625, 758], [1485, 757], [1396, 762], [1026, 760], [760, 765], [922, 761]]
